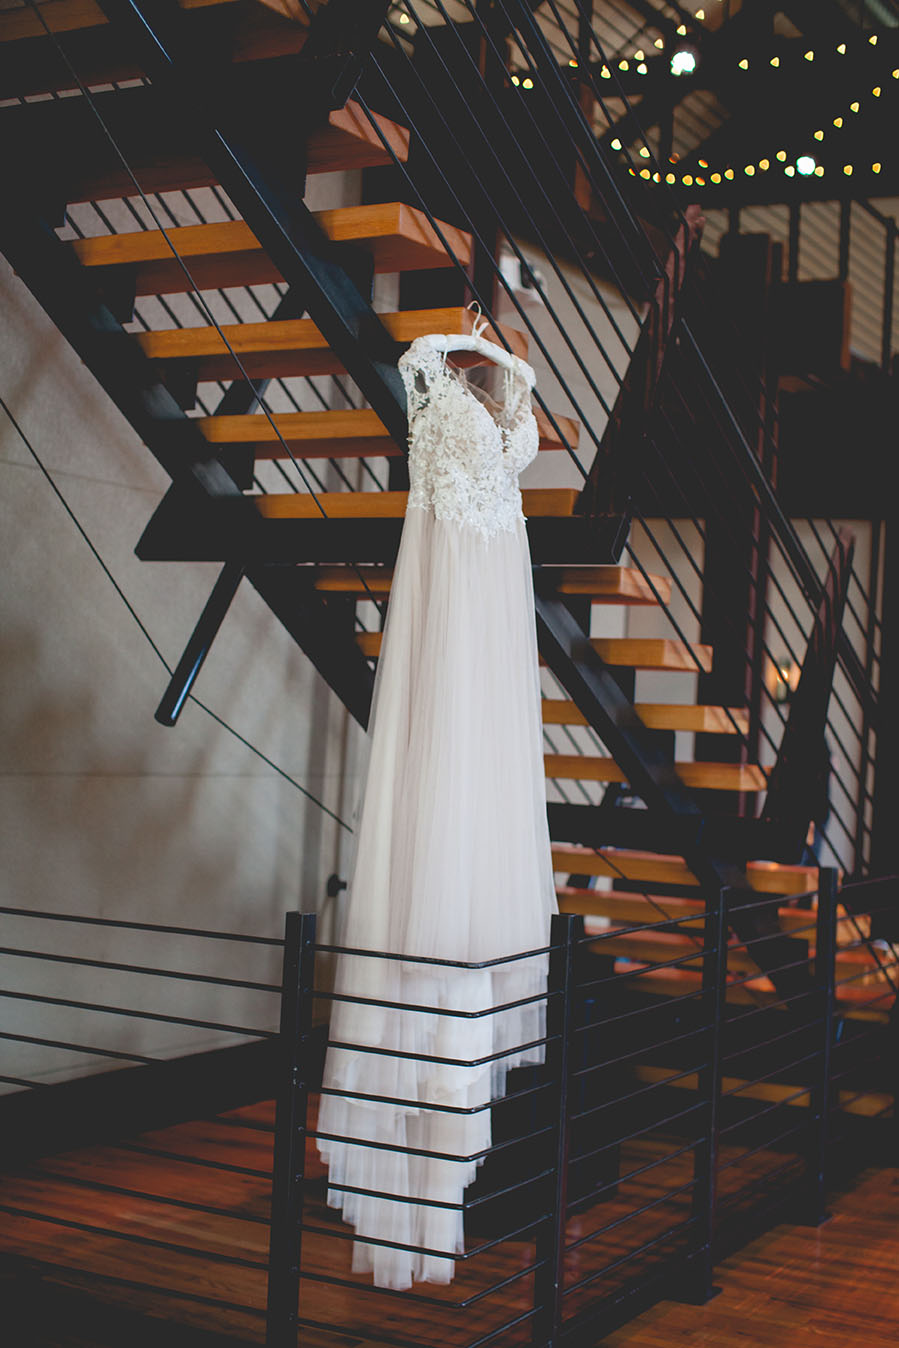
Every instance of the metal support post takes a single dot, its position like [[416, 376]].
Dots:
[[700, 1287], [288, 1171], [820, 1096], [197, 649], [565, 931]]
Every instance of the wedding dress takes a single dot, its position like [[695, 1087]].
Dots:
[[453, 856]]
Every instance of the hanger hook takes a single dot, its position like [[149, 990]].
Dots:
[[478, 327]]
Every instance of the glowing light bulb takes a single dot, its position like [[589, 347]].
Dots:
[[855, 106], [605, 73], [781, 155], [805, 165], [623, 65], [764, 165], [775, 61], [645, 173], [896, 74], [749, 170], [573, 63], [744, 64], [847, 169], [716, 177], [838, 121], [642, 68], [842, 48], [660, 43], [700, 14], [640, 55], [688, 180], [683, 62], [656, 178], [615, 144], [819, 171], [670, 178], [682, 30], [810, 56], [404, 18], [790, 171], [644, 152], [877, 91], [515, 79], [819, 135], [873, 39], [729, 173], [527, 84], [703, 163], [875, 168], [700, 182]]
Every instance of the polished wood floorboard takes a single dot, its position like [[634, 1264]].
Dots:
[[124, 1211]]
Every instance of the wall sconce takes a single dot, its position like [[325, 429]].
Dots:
[[782, 678]]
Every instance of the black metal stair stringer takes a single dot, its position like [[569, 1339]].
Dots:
[[586, 678], [250, 162], [200, 482]]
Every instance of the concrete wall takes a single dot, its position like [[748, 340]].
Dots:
[[104, 812]]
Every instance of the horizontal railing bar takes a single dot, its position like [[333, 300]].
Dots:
[[431, 1105], [873, 972], [143, 926], [632, 1254], [762, 1146], [775, 1104], [77, 1048], [421, 1151], [639, 1132], [629, 1216], [429, 959], [132, 1238], [776, 1071], [431, 1057], [636, 1052], [631, 1174], [83, 962], [768, 973], [435, 1010], [766, 1043], [646, 969], [138, 1015], [453, 1255], [370, 1289], [633, 1095], [194, 1160]]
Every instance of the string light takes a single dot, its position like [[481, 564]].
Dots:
[[404, 18], [660, 43], [838, 121], [642, 68], [847, 169], [573, 63], [716, 177], [775, 60], [615, 144], [687, 180], [877, 91], [744, 64], [683, 61], [623, 65], [703, 163], [515, 79], [875, 168], [764, 165], [527, 84], [644, 173], [810, 56], [781, 155], [873, 39], [682, 30], [749, 170], [670, 178], [729, 173], [789, 171], [805, 165], [640, 55], [819, 135], [700, 14], [819, 171], [896, 74], [842, 48], [855, 106], [644, 152], [605, 73]]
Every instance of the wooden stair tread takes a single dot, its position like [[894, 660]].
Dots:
[[767, 877], [681, 982], [344, 433], [551, 501], [346, 141], [619, 906], [554, 504], [699, 776], [653, 653], [656, 947], [67, 16], [283, 348], [659, 716], [399, 238], [604, 584]]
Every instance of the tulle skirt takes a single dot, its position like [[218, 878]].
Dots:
[[452, 862]]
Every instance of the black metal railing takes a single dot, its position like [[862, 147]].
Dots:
[[683, 1102]]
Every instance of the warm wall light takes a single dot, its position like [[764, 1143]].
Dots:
[[782, 678]]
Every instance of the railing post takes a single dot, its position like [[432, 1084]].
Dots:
[[290, 1132], [565, 931], [700, 1287], [820, 1094]]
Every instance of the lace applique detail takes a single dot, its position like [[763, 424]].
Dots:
[[464, 462]]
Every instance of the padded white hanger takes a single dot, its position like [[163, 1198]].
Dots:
[[473, 341]]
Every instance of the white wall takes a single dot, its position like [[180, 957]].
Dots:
[[103, 811]]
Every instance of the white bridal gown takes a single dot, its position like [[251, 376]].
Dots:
[[453, 855]]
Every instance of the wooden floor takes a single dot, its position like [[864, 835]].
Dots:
[[117, 1209]]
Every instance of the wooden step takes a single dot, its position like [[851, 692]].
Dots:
[[345, 142], [659, 716], [854, 1003], [603, 584], [399, 238], [284, 348], [348, 433], [68, 16], [658, 947], [653, 653], [550, 506], [553, 502], [698, 776], [639, 908], [767, 877]]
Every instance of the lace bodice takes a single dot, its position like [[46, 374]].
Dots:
[[464, 458]]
